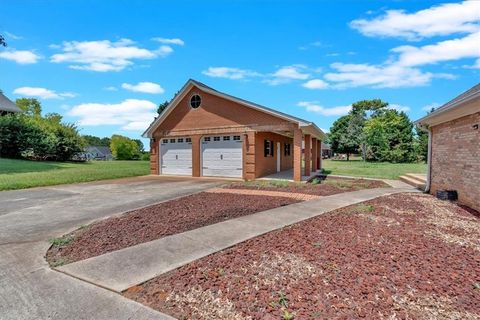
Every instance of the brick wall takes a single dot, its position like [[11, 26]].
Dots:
[[268, 165], [456, 159], [214, 112]]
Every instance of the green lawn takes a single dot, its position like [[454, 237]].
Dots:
[[384, 170], [19, 174]]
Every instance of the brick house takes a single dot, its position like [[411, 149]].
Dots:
[[204, 132], [454, 147]]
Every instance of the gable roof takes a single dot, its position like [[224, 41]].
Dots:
[[102, 150], [459, 106], [194, 83], [7, 104]]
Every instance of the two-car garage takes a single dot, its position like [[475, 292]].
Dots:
[[220, 156]]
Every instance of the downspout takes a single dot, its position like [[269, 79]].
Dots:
[[429, 161]]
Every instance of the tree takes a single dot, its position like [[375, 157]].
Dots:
[[389, 137], [33, 136], [342, 136], [29, 106], [140, 146], [162, 106], [2, 41], [96, 141], [422, 140], [124, 148]]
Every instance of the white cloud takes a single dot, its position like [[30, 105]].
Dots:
[[230, 73], [175, 41], [455, 49], [144, 87], [105, 55], [20, 56], [399, 107], [288, 73], [110, 88], [42, 93], [130, 114], [316, 108], [377, 76], [315, 84], [441, 20]]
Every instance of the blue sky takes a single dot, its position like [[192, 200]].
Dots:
[[106, 64]]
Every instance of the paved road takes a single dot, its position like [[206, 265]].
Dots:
[[29, 289]]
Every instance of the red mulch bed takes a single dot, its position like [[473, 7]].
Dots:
[[404, 256], [157, 221], [326, 187]]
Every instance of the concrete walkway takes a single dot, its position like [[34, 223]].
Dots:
[[124, 268], [29, 289]]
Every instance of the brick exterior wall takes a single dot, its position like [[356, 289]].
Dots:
[[268, 165], [456, 159]]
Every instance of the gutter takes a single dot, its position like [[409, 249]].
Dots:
[[429, 161]]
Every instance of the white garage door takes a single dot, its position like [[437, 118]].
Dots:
[[176, 156], [222, 156]]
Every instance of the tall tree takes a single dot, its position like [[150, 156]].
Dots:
[[124, 148], [3, 43], [342, 136], [29, 106], [389, 137], [162, 106]]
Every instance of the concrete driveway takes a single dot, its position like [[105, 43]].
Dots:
[[29, 289]]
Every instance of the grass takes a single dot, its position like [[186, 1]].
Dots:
[[382, 170], [20, 174]]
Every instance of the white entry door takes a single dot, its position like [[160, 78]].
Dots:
[[222, 156], [176, 156]]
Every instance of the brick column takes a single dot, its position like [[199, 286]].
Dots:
[[314, 154], [154, 155], [297, 155], [196, 147], [308, 154], [319, 148]]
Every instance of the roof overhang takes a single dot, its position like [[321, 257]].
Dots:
[[306, 126], [457, 108]]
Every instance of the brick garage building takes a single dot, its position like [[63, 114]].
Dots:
[[204, 132], [454, 147]]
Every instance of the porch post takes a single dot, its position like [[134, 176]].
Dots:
[[196, 147], [308, 154], [319, 148], [297, 155], [314, 154]]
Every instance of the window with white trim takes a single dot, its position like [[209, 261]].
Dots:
[[216, 138], [172, 140], [180, 140], [236, 138], [165, 141], [226, 138], [206, 139], [188, 140]]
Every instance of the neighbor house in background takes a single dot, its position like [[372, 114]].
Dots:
[[204, 132], [454, 147], [326, 151], [7, 106], [97, 153]]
